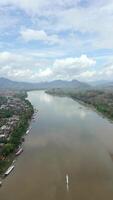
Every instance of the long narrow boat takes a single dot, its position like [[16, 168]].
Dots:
[[0, 183], [20, 150], [67, 179], [9, 170], [67, 182], [27, 132]]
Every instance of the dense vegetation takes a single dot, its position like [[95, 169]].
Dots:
[[102, 101], [3, 112], [3, 100], [6, 113], [22, 95]]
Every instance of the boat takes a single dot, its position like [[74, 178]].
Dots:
[[67, 179], [23, 139], [27, 132], [67, 182], [9, 170], [19, 151], [0, 183]]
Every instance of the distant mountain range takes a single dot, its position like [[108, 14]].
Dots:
[[14, 85], [74, 84], [102, 85]]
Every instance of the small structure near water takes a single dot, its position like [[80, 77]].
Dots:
[[19, 151], [0, 183], [9, 170], [67, 182]]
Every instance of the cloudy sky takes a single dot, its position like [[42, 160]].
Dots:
[[43, 40]]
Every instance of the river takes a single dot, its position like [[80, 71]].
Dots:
[[66, 138]]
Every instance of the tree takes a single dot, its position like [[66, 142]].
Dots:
[[8, 148]]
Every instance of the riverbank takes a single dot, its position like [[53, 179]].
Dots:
[[15, 139]]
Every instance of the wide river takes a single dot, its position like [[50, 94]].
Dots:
[[66, 138]]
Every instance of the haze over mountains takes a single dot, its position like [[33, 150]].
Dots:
[[102, 84], [74, 84], [9, 84]]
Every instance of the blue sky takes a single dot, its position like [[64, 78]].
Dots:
[[43, 40]]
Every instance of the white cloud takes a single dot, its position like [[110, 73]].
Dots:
[[20, 66], [82, 62], [41, 35], [94, 19], [71, 68], [27, 68], [87, 75], [39, 6], [45, 73], [85, 26], [9, 57], [107, 71]]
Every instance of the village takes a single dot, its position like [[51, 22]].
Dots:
[[15, 114], [14, 106]]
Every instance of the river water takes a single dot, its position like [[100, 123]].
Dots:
[[66, 138]]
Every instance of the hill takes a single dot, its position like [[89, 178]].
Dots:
[[14, 85], [102, 85]]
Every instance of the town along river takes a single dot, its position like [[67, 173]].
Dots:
[[66, 138]]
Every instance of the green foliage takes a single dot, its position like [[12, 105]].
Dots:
[[102, 108], [6, 113], [21, 95], [8, 148], [3, 100]]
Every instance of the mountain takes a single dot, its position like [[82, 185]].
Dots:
[[66, 84], [99, 82], [14, 85], [102, 85], [107, 86]]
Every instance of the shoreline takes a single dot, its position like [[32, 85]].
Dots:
[[92, 107], [10, 159], [16, 136]]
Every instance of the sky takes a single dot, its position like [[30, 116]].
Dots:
[[45, 40]]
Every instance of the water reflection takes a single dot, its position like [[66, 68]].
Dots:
[[68, 109], [45, 98]]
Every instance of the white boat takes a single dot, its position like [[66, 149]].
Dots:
[[0, 183], [27, 131], [67, 179], [9, 170], [67, 182], [19, 151]]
